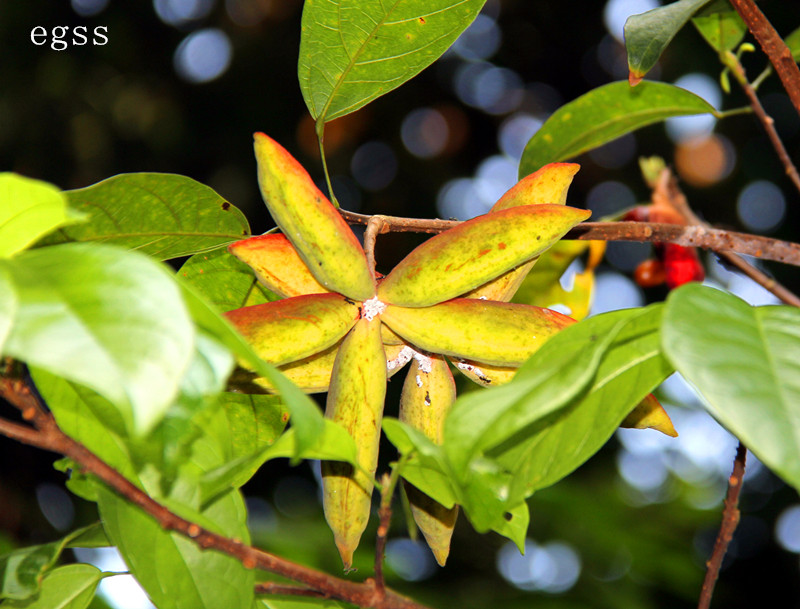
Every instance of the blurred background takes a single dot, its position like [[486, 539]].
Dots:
[[180, 86]]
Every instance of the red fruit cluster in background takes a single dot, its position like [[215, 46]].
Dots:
[[673, 264]]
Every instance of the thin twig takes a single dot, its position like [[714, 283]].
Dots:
[[689, 236], [666, 187], [375, 226], [730, 519], [48, 436], [766, 121], [774, 47]]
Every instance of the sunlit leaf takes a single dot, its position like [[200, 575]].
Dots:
[[21, 571], [67, 587], [174, 570], [629, 369], [163, 215], [8, 305], [648, 34], [560, 370], [29, 209], [224, 281], [306, 417], [720, 25], [352, 51], [604, 114], [745, 362], [107, 318]]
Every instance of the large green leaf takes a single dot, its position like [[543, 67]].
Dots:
[[163, 215], [67, 587], [745, 362], [604, 114], [174, 571], [553, 447], [720, 25], [306, 417], [106, 318], [648, 34], [224, 280], [556, 373], [29, 209], [352, 51]]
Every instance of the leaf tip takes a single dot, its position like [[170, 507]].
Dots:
[[634, 77]]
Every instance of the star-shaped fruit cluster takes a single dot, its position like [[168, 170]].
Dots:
[[341, 330]]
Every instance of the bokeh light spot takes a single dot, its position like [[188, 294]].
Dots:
[[424, 132], [515, 132], [615, 291], [480, 40], [89, 8], [552, 567], [459, 199], [56, 505], [203, 55], [616, 13], [704, 161], [181, 12], [761, 206], [609, 197], [411, 560], [787, 529], [680, 128], [374, 166]]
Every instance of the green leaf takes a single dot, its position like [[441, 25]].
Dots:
[[106, 318], [352, 51], [77, 419], [8, 305], [555, 374], [161, 214], [745, 362], [306, 417], [21, 571], [29, 209], [67, 587], [549, 449], [720, 25], [174, 571], [92, 536], [648, 34], [224, 280], [334, 444], [427, 468], [793, 42], [515, 525], [604, 114]]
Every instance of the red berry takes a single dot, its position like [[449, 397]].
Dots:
[[682, 265], [650, 273]]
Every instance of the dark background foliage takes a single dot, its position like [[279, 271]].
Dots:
[[78, 116]]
